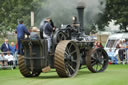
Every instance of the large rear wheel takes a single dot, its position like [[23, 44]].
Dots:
[[97, 60], [23, 69], [67, 59]]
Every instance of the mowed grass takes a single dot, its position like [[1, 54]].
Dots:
[[114, 75]]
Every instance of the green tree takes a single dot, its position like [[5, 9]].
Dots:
[[13, 10], [118, 10]]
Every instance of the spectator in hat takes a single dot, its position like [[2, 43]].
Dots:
[[34, 34]]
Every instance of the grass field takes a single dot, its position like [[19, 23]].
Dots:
[[114, 75]]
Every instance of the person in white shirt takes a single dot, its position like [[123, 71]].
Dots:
[[10, 58], [3, 60]]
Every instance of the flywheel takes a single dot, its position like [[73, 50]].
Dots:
[[97, 60], [58, 36], [67, 58]]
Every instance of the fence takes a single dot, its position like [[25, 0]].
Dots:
[[6, 62], [11, 38]]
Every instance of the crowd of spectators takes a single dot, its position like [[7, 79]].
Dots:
[[122, 51], [118, 55], [7, 54]]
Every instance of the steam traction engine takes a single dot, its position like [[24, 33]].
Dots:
[[71, 48]]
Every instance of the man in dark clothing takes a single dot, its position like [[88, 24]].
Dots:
[[21, 31], [46, 32], [47, 28], [121, 54], [5, 47]]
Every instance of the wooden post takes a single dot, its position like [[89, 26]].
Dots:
[[32, 18]]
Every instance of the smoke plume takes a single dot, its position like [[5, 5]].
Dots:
[[61, 11]]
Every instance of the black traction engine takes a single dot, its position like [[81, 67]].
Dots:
[[71, 49]]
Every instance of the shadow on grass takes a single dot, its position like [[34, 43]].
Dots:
[[55, 76], [81, 73], [48, 77]]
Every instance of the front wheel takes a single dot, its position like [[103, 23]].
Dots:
[[97, 60]]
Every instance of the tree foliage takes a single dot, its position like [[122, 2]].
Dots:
[[118, 10], [11, 11]]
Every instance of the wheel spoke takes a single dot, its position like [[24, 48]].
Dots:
[[100, 66], [92, 60], [68, 70], [73, 52], [71, 68], [93, 63], [67, 50], [66, 53], [73, 60], [101, 63], [93, 57], [70, 47], [97, 55]]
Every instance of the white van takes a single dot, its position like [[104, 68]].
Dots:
[[113, 40]]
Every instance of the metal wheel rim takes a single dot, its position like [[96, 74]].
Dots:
[[70, 59], [62, 65], [97, 61]]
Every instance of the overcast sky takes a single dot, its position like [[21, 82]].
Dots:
[[113, 27]]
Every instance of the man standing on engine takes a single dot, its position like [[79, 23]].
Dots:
[[47, 30], [21, 31]]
